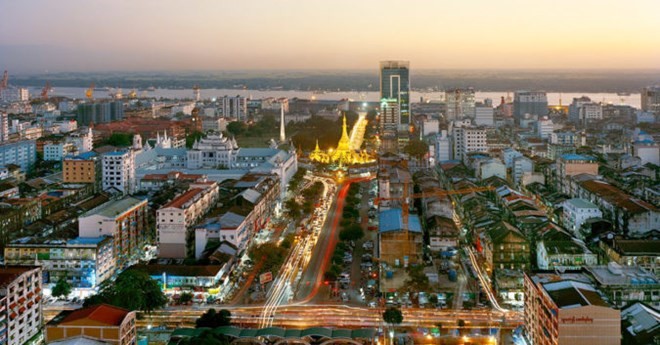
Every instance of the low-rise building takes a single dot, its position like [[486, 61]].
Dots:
[[399, 244], [560, 310], [103, 323], [83, 262], [230, 227], [625, 284], [505, 247], [57, 151], [633, 253], [157, 181], [577, 212], [557, 249], [83, 168], [628, 214], [174, 276], [176, 219], [125, 220], [21, 307], [640, 324]]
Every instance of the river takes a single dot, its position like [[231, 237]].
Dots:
[[633, 99]]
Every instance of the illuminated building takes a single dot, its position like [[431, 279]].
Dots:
[[83, 262], [125, 220], [567, 309], [343, 155], [395, 83], [103, 323]]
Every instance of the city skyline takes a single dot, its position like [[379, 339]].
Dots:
[[206, 35]]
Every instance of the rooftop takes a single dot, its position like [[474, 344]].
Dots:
[[9, 273], [617, 197], [115, 208], [105, 314], [181, 200], [569, 294], [179, 270], [392, 220], [576, 157], [581, 203], [614, 274]]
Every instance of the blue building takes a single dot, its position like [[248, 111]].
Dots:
[[22, 153]]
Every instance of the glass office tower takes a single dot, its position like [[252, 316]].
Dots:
[[395, 83]]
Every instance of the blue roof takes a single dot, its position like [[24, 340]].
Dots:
[[116, 153], [87, 240], [257, 152], [391, 220], [86, 155], [576, 157]]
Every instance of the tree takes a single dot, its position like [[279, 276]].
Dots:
[[352, 232], [132, 290], [461, 324], [236, 128], [416, 148], [207, 337], [192, 137], [62, 288], [185, 298], [213, 318], [393, 316], [120, 139]]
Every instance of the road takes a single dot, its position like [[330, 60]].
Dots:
[[320, 315], [312, 277], [285, 284]]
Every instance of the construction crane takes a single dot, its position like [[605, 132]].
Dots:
[[405, 206], [45, 91], [89, 93]]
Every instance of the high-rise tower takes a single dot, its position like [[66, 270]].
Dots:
[[282, 132], [395, 84]]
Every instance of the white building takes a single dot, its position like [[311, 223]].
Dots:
[[443, 147], [21, 304], [214, 151], [576, 212], [484, 115], [275, 104], [83, 140], [229, 227], [185, 109], [568, 138], [430, 126], [493, 167], [521, 166], [468, 138], [125, 220], [544, 127], [176, 218], [460, 103], [118, 172], [234, 107], [508, 155], [648, 151], [57, 151], [216, 124], [590, 112], [66, 126], [4, 127]]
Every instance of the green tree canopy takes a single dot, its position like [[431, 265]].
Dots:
[[416, 148], [62, 288], [120, 139], [352, 232], [132, 290], [185, 297], [393, 316], [213, 318], [236, 127], [192, 137]]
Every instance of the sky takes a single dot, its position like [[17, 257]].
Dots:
[[193, 35]]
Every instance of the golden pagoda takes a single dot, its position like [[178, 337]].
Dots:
[[343, 155]]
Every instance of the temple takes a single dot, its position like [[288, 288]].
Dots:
[[343, 155]]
